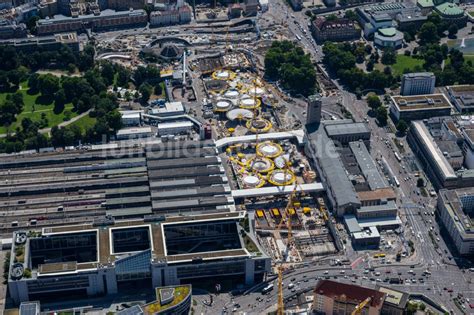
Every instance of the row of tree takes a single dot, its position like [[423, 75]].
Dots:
[[341, 59], [287, 63]]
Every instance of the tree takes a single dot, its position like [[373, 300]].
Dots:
[[381, 115], [389, 56], [33, 82], [114, 120], [107, 72], [373, 101], [402, 126], [420, 182], [351, 15], [48, 84], [59, 101], [158, 89], [428, 33], [145, 90], [452, 30]]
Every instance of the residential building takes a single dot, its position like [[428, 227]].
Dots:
[[413, 107], [334, 30], [388, 37], [417, 83], [331, 297], [462, 97], [456, 211], [96, 258]]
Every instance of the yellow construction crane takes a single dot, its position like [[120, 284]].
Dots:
[[358, 309]]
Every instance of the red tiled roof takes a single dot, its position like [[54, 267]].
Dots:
[[352, 293]]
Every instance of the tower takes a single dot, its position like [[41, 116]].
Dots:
[[313, 112]]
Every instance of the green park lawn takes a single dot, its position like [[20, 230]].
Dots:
[[34, 107], [84, 123], [403, 62]]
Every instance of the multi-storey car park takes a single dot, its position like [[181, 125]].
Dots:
[[98, 258]]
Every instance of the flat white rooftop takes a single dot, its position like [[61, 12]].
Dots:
[[298, 134], [276, 190], [433, 149]]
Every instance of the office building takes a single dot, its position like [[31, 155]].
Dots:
[[251, 7], [468, 147], [377, 196], [174, 128], [367, 165], [388, 37], [436, 161], [134, 133], [171, 16], [410, 18], [456, 211], [169, 108], [297, 5], [462, 97], [451, 13], [395, 302], [417, 107], [331, 297], [96, 258], [125, 5], [334, 30], [106, 20], [131, 117], [43, 43], [340, 191], [343, 131], [9, 29], [418, 83], [314, 107]]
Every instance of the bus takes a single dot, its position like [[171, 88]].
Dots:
[[397, 183], [267, 289], [298, 37], [399, 159]]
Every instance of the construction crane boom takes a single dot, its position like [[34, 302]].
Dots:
[[358, 309]]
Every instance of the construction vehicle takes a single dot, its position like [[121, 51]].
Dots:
[[358, 309]]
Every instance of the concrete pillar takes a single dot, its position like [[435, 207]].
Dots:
[[249, 271]]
